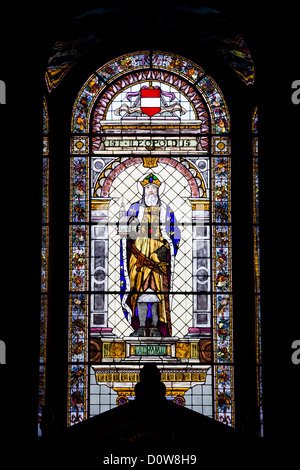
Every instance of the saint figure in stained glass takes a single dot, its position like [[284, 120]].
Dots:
[[147, 261]]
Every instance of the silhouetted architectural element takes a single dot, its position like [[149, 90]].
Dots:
[[149, 425], [150, 389]]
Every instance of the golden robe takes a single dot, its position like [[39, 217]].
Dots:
[[142, 274]]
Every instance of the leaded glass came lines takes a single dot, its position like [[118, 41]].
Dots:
[[167, 126]]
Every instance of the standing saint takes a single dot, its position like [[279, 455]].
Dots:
[[147, 261]]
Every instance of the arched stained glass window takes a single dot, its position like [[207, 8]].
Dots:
[[150, 237], [257, 264]]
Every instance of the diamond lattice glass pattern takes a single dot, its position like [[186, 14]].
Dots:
[[196, 190], [176, 195]]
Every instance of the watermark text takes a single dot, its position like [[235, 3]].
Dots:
[[296, 352], [296, 93], [2, 92], [2, 352]]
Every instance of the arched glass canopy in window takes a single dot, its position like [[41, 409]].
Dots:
[[150, 236]]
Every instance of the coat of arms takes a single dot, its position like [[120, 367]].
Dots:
[[151, 101]]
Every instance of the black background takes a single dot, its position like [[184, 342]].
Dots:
[[27, 36]]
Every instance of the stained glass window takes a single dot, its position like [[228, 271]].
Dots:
[[259, 386], [150, 237], [44, 263]]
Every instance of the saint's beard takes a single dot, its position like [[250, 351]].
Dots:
[[151, 200]]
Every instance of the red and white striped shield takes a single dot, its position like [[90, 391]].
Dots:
[[150, 100]]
